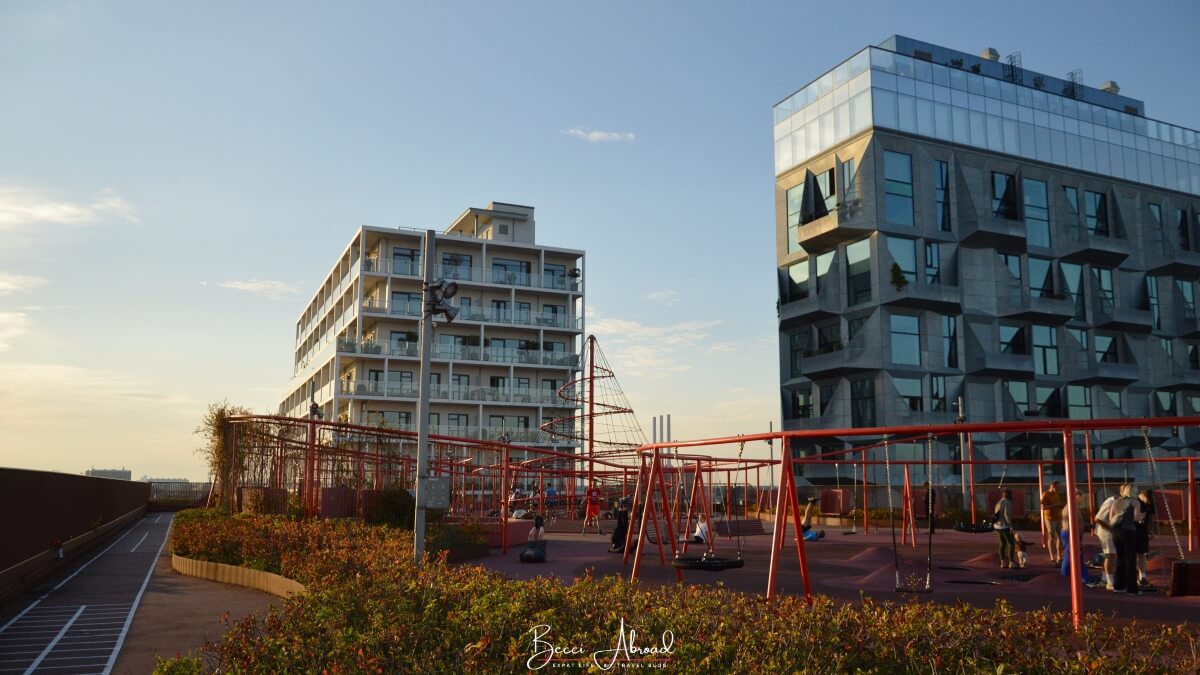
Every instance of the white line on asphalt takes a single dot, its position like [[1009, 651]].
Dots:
[[112, 659], [139, 542], [60, 584], [33, 666], [158, 519]]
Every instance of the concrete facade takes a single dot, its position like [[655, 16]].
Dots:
[[496, 369], [1078, 303]]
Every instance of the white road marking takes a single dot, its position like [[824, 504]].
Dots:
[[82, 567], [139, 542], [33, 666], [158, 518], [112, 659]]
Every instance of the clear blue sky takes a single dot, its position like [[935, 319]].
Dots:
[[176, 178]]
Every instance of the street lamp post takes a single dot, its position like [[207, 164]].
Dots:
[[434, 295]]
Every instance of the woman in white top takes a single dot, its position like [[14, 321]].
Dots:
[[700, 536]]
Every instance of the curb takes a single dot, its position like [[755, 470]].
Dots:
[[237, 576]]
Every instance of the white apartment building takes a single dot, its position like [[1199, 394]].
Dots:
[[496, 369]]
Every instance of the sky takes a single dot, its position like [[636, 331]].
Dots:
[[177, 178]]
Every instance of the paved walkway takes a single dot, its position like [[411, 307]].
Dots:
[[120, 609]]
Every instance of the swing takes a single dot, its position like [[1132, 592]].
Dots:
[[710, 561], [909, 587], [1181, 569], [979, 528]]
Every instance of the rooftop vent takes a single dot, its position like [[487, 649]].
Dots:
[[990, 54], [1110, 87]]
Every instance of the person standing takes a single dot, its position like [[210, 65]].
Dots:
[[1108, 545], [592, 508], [1052, 509], [1146, 497], [1002, 523], [1123, 517]]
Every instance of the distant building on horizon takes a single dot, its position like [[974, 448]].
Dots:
[[496, 369], [118, 474], [955, 226]]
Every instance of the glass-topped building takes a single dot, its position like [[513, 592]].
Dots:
[[952, 226]]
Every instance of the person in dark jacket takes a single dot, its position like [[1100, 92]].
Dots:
[[1146, 497]]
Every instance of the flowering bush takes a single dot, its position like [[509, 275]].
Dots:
[[370, 608]]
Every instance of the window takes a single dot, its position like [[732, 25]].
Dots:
[[1004, 196], [898, 198], [1049, 402], [523, 313], [853, 325], [458, 420], [824, 262], [1080, 335], [933, 262], [1073, 274], [498, 382], [1114, 396], [910, 392], [848, 184], [1012, 262], [552, 315], [554, 276], [1037, 213], [802, 406], [501, 311], [508, 422], [949, 341], [1041, 283], [862, 403], [1012, 340], [829, 338], [1079, 402], [941, 177], [1164, 404], [827, 392], [1019, 391], [1185, 232], [1168, 346], [456, 265], [1045, 350], [1104, 288], [937, 393], [906, 339], [1071, 197], [1156, 228], [406, 261], [1095, 214], [1186, 297], [794, 197], [858, 272], [798, 345], [828, 189], [798, 281], [1193, 355], [406, 304], [1152, 301], [904, 253], [512, 272]]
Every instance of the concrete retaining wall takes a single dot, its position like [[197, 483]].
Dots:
[[238, 576]]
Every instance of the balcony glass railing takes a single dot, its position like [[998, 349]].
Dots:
[[407, 268], [442, 392], [460, 352], [483, 314]]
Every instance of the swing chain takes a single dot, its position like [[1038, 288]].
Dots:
[[1155, 476]]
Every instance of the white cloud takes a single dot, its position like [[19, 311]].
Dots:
[[666, 297], [18, 283], [652, 351], [595, 136], [12, 325], [21, 206], [276, 290]]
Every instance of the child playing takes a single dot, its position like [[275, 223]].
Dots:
[[1022, 554]]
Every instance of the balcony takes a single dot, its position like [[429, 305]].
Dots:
[[989, 231], [384, 267], [934, 297], [1098, 249], [999, 364], [481, 314], [1170, 260], [845, 223], [1185, 323], [1106, 314], [556, 282], [834, 360], [455, 393], [1105, 372], [372, 348], [453, 352], [1045, 309]]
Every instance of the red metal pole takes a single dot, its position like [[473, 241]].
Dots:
[[670, 530], [504, 505], [1194, 519], [728, 507], [591, 440], [797, 530], [1041, 491], [866, 503], [906, 511], [637, 489], [637, 556], [1076, 568], [971, 474], [781, 508]]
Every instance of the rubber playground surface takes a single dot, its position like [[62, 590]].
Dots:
[[966, 568]]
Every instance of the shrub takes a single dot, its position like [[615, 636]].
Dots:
[[369, 607]]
